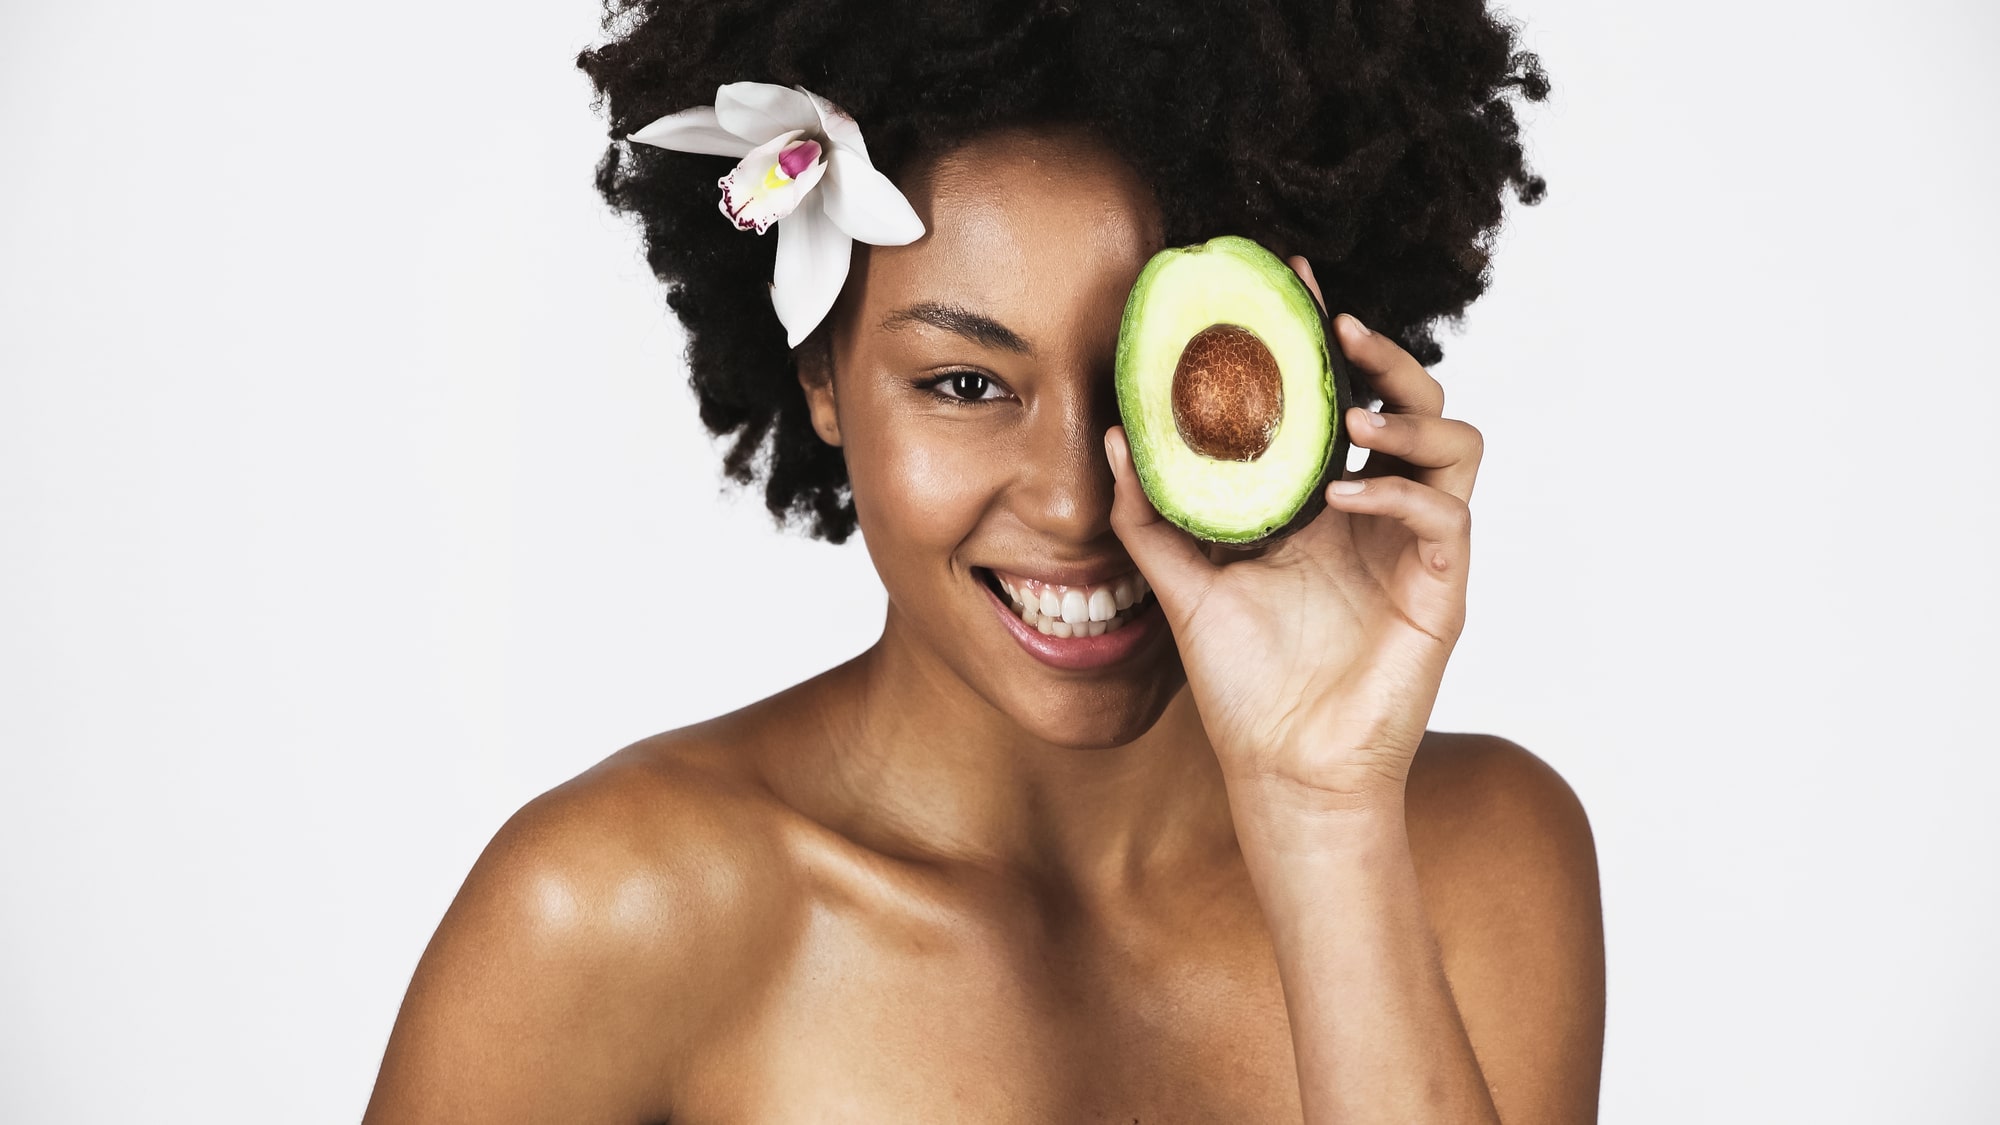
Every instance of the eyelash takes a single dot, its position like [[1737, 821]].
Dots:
[[936, 382]]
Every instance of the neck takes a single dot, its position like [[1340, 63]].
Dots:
[[921, 761]]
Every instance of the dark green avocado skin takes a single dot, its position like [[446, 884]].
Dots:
[[1344, 384]]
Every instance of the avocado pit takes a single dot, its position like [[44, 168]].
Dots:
[[1227, 394]]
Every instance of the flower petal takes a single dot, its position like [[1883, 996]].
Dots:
[[692, 130], [757, 193], [813, 255], [758, 111], [865, 204], [835, 125]]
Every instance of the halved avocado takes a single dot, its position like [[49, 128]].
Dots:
[[1231, 393]]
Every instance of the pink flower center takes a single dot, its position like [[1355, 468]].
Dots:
[[797, 157]]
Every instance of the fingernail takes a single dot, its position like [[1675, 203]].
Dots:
[[1376, 420], [1347, 487], [1364, 329]]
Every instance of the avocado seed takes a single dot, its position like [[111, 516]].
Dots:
[[1228, 395]]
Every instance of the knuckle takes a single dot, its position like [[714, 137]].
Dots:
[[1426, 393], [1461, 518]]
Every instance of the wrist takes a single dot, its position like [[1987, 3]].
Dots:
[[1320, 777], [1300, 857], [1281, 815]]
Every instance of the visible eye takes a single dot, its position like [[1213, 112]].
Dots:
[[966, 387]]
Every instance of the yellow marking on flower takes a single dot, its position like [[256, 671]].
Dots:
[[775, 177]]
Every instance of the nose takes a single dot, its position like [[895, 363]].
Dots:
[[1066, 485]]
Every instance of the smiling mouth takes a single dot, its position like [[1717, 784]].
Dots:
[[1070, 611]]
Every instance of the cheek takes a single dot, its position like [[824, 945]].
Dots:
[[920, 480]]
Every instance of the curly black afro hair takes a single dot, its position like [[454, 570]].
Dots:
[[1375, 138]]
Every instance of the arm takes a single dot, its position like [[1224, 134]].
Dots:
[[1375, 1031], [1315, 664], [1448, 970]]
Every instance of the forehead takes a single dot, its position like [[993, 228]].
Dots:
[[1042, 227]]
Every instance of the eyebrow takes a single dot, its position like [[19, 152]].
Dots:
[[971, 325]]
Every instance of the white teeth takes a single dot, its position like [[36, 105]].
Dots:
[[1082, 611]]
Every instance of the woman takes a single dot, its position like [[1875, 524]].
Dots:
[[1215, 871]]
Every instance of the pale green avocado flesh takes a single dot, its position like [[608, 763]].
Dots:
[[1179, 293]]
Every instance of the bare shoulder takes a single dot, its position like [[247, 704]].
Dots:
[[605, 924], [1508, 866], [1479, 796]]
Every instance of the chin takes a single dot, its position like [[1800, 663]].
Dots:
[[1099, 717]]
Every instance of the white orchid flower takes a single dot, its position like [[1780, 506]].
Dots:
[[804, 168]]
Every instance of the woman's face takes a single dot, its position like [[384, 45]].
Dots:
[[970, 393]]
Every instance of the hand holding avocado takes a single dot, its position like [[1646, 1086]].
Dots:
[[1315, 659]]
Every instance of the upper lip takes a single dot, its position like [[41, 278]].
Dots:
[[1070, 574]]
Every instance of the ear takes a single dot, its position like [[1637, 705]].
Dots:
[[815, 360]]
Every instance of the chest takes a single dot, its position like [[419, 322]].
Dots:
[[1177, 1018]]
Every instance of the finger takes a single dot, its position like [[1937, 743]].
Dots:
[[1444, 451], [1411, 389], [1447, 459], [1171, 559], [1395, 376], [1441, 522]]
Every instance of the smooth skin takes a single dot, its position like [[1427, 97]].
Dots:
[[1231, 879]]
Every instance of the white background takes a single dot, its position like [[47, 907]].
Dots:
[[351, 495]]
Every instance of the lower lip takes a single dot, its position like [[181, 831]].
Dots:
[[1078, 653]]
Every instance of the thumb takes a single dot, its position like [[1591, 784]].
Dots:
[[1171, 559]]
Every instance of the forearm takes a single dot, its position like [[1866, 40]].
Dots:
[[1375, 1031]]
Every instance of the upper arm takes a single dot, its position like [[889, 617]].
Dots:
[[1509, 875], [565, 980]]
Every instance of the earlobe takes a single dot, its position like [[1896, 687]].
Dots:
[[816, 380]]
